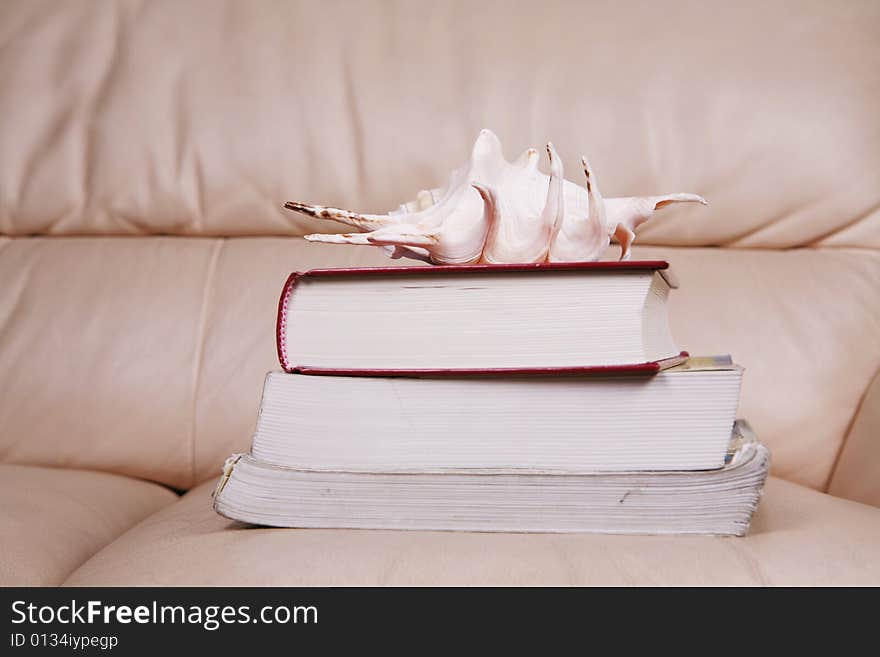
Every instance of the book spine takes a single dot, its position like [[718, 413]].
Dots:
[[281, 321]]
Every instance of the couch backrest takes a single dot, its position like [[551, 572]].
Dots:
[[136, 119], [197, 118]]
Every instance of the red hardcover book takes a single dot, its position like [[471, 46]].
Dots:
[[516, 319]]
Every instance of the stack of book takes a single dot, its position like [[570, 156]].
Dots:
[[525, 398]]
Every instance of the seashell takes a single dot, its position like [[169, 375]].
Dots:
[[495, 211]]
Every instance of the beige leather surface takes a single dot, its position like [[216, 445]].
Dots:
[[799, 536], [857, 475], [806, 326], [53, 520], [200, 117], [146, 356]]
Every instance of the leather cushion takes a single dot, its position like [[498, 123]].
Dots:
[[857, 473], [202, 117], [798, 537], [51, 520], [146, 356]]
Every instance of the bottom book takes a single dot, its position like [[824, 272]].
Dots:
[[718, 501]]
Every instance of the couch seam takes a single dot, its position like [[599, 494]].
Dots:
[[779, 217], [357, 126], [200, 352], [98, 99], [852, 422], [855, 221]]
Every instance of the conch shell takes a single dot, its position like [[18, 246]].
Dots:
[[495, 211]]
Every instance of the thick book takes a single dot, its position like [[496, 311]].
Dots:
[[717, 501], [677, 419], [478, 319]]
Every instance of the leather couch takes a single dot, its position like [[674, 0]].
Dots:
[[146, 148]]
